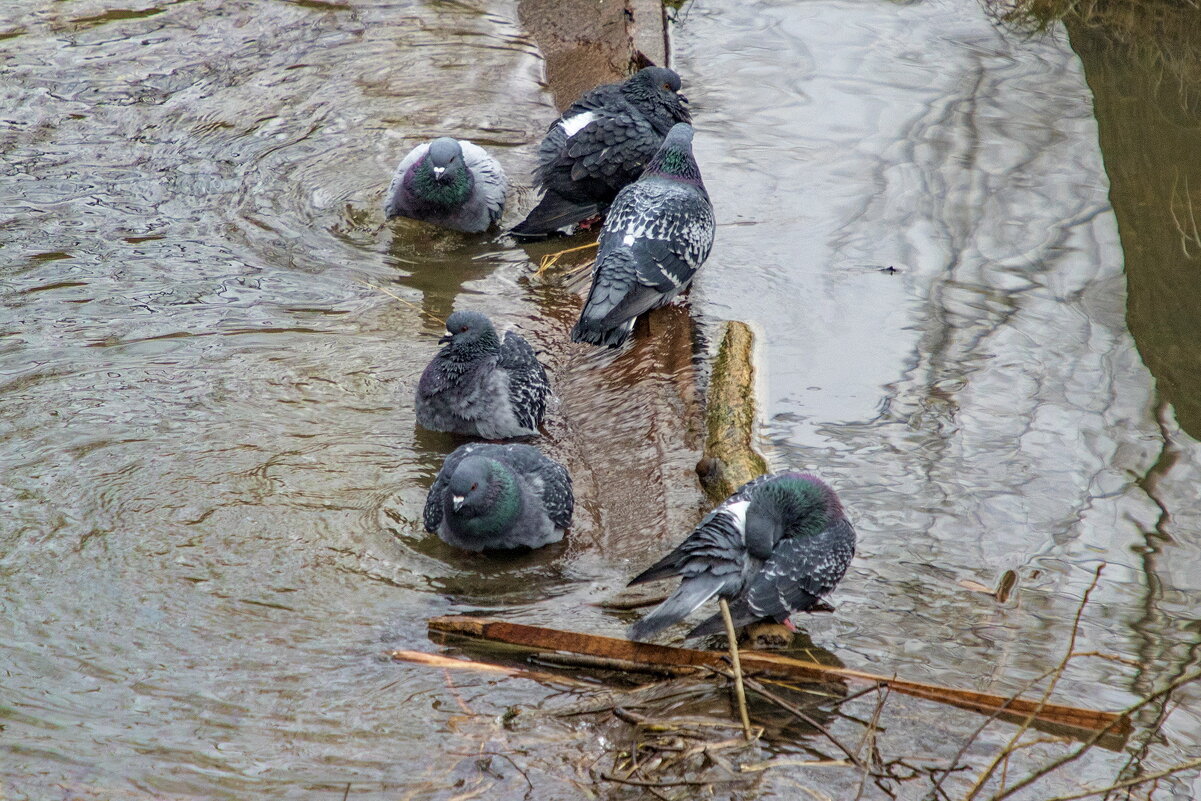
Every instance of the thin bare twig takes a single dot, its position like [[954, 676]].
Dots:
[[428, 315], [739, 692], [1054, 765], [551, 259], [987, 773], [869, 736], [678, 783], [1192, 763], [787, 707]]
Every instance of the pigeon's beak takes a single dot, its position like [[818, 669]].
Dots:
[[683, 99], [438, 173], [456, 502], [445, 339]]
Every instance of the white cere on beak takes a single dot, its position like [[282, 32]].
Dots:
[[456, 501], [438, 171]]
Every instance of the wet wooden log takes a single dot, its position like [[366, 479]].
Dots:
[[730, 459], [1068, 719]]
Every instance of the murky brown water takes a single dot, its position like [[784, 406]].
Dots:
[[210, 477]]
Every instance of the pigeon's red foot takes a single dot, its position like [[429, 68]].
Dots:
[[590, 223]]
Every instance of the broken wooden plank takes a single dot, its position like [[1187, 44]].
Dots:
[[776, 666]]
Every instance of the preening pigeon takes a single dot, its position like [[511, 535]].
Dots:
[[773, 548], [448, 182], [481, 385], [657, 234], [489, 497], [601, 144]]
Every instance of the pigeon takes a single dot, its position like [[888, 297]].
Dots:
[[490, 497], [658, 233], [482, 385], [772, 548], [448, 182], [601, 144]]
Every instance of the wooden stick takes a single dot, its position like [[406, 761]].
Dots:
[[777, 666], [439, 661], [739, 692]]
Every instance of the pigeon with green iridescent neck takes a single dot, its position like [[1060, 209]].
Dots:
[[482, 385], [773, 548], [497, 497], [600, 145], [451, 183], [657, 234]]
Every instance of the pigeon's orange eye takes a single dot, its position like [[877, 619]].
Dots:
[[463, 330], [667, 86], [474, 487]]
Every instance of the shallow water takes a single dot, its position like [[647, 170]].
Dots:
[[212, 483]]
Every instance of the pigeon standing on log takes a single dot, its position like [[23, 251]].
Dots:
[[492, 497], [451, 183], [773, 548], [600, 145], [482, 385], [658, 233]]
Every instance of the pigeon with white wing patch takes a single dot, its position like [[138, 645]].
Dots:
[[773, 548], [600, 145]]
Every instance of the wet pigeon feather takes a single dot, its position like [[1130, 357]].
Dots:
[[659, 231], [468, 196], [774, 547], [482, 385], [600, 145], [507, 496]]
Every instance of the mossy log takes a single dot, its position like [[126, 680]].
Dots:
[[730, 458]]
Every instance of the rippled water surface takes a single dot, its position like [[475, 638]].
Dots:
[[210, 477]]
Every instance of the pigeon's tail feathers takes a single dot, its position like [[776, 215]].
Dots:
[[596, 331], [615, 300], [552, 213], [691, 594], [666, 567]]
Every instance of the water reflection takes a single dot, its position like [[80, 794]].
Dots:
[[985, 407], [212, 486]]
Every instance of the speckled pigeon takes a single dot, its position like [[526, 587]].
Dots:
[[658, 233], [491, 497], [482, 385], [601, 144], [772, 548], [448, 182]]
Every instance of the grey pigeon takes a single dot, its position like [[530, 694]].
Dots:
[[448, 182], [482, 385], [601, 144], [772, 548], [490, 497], [658, 233]]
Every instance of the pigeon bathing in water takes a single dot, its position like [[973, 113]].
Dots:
[[490, 497], [773, 548], [658, 233], [448, 182], [481, 385], [600, 145]]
